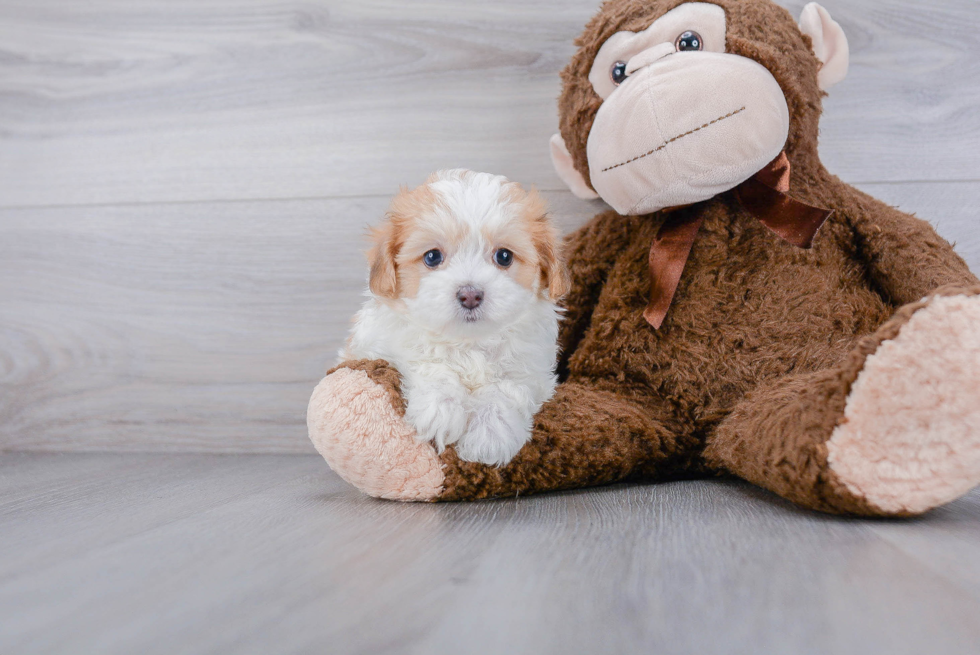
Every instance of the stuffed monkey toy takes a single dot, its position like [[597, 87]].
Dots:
[[740, 311]]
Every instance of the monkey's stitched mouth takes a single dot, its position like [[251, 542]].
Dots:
[[676, 138]]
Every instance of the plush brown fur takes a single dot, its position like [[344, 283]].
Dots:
[[751, 369], [755, 359]]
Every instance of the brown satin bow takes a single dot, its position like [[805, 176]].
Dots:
[[764, 196]]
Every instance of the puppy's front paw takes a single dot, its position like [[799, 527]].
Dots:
[[436, 417], [495, 434]]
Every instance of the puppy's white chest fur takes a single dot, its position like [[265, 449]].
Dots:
[[479, 394]]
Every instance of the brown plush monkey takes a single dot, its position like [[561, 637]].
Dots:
[[719, 321]]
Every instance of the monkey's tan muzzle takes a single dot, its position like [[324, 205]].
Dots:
[[685, 128]]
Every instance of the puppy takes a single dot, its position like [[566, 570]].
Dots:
[[465, 274]]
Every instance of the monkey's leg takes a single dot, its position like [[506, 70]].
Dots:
[[894, 430], [582, 437]]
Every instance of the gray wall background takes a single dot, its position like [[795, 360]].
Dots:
[[184, 184]]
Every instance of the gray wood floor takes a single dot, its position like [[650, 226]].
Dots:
[[131, 553], [183, 186]]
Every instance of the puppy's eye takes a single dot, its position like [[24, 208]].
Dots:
[[432, 258], [503, 257], [618, 72], [688, 41]]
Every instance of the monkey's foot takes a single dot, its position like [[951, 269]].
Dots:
[[354, 425], [910, 437]]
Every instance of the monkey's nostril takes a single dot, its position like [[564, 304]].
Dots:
[[469, 297]]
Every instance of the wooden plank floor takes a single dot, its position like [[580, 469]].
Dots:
[[131, 553]]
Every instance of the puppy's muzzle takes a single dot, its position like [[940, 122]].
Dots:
[[469, 297]]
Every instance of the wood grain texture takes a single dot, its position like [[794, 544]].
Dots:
[[111, 101], [179, 326], [274, 554], [154, 298], [183, 186], [204, 327]]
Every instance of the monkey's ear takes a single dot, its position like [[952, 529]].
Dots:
[[829, 44], [562, 162]]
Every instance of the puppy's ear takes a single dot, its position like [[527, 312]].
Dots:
[[554, 275], [384, 272], [553, 270]]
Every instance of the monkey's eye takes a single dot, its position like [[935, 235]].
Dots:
[[503, 257], [688, 41], [618, 72], [432, 258]]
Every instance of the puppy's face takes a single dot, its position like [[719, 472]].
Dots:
[[466, 254]]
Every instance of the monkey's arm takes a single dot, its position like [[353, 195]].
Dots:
[[590, 252], [905, 256]]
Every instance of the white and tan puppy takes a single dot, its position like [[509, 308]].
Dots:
[[465, 273]]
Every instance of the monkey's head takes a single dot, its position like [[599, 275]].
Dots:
[[669, 103]]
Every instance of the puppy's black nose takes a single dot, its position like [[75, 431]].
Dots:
[[469, 297]]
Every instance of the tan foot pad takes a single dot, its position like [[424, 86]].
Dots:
[[910, 438], [355, 428]]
